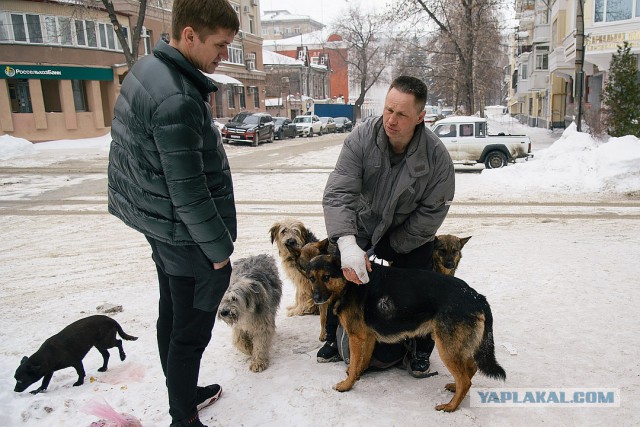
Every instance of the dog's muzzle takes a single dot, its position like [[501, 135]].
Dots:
[[229, 316]]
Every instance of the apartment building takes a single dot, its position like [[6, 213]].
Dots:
[[543, 73], [61, 65], [280, 24]]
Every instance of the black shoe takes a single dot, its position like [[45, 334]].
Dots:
[[329, 353], [418, 365], [207, 396], [193, 421]]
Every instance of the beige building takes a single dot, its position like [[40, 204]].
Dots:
[[61, 65], [543, 83], [280, 24]]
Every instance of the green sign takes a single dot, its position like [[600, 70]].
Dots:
[[16, 71]]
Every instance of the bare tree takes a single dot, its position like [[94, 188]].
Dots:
[[370, 48], [130, 51], [463, 32]]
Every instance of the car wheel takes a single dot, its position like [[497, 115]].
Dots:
[[321, 132], [273, 136], [256, 140], [310, 134], [495, 160]]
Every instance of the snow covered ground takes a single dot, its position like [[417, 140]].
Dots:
[[554, 249]]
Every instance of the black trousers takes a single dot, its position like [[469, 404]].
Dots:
[[190, 293], [420, 258]]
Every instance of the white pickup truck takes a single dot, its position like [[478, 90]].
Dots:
[[467, 140]]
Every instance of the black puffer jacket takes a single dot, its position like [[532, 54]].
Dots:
[[169, 176]]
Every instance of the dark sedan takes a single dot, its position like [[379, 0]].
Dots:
[[343, 124], [284, 128]]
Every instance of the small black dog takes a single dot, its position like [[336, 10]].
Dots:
[[67, 348]]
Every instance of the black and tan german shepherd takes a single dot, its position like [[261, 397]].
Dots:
[[404, 303]]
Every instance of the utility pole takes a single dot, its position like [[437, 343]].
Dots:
[[579, 82]]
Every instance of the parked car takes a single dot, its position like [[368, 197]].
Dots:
[[329, 125], [249, 127], [308, 125], [467, 141], [284, 128], [430, 119], [343, 124]]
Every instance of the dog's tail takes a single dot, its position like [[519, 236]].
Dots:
[[485, 356], [124, 335]]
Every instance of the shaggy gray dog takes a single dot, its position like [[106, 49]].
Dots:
[[249, 306]]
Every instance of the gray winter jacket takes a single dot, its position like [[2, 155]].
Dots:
[[169, 176], [417, 204]]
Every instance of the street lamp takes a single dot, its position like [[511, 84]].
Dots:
[[283, 81]]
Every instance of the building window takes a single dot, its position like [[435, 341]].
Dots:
[[524, 72], [51, 96], [542, 58], [243, 101], [256, 97], [79, 95], [35, 31], [235, 54], [80, 34], [252, 30], [19, 95], [615, 10], [265, 32], [4, 28], [230, 98], [92, 39], [146, 38]]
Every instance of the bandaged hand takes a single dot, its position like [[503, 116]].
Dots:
[[355, 262]]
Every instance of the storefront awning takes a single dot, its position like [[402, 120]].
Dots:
[[221, 79]]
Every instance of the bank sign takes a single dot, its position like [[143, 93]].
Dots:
[[16, 71]]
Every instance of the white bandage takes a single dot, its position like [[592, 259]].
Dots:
[[352, 256]]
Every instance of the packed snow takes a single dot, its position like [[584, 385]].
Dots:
[[554, 248]]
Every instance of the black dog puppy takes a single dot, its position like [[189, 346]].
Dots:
[[67, 348]]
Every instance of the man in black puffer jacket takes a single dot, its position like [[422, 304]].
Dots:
[[169, 178]]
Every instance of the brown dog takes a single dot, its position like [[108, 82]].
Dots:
[[398, 304], [447, 252], [291, 233]]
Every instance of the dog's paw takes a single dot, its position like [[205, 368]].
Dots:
[[446, 407], [36, 391], [102, 369], [78, 383], [323, 336], [258, 365], [343, 386]]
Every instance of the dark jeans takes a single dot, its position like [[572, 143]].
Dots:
[[420, 258], [190, 293]]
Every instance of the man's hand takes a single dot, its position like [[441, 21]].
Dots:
[[355, 263], [219, 265]]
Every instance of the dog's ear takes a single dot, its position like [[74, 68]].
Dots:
[[273, 231], [463, 241], [323, 246], [24, 360]]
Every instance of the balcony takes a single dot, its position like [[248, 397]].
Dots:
[[539, 80], [541, 33]]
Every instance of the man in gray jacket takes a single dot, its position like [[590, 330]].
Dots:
[[169, 178], [391, 189]]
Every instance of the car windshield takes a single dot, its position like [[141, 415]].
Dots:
[[239, 117], [279, 121], [324, 119], [340, 119], [251, 120], [306, 119]]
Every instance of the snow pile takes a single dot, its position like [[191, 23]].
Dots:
[[575, 163], [11, 147]]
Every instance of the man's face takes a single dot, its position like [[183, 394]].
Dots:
[[400, 117], [205, 55]]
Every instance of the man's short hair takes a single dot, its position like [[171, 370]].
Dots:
[[413, 86], [204, 16]]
